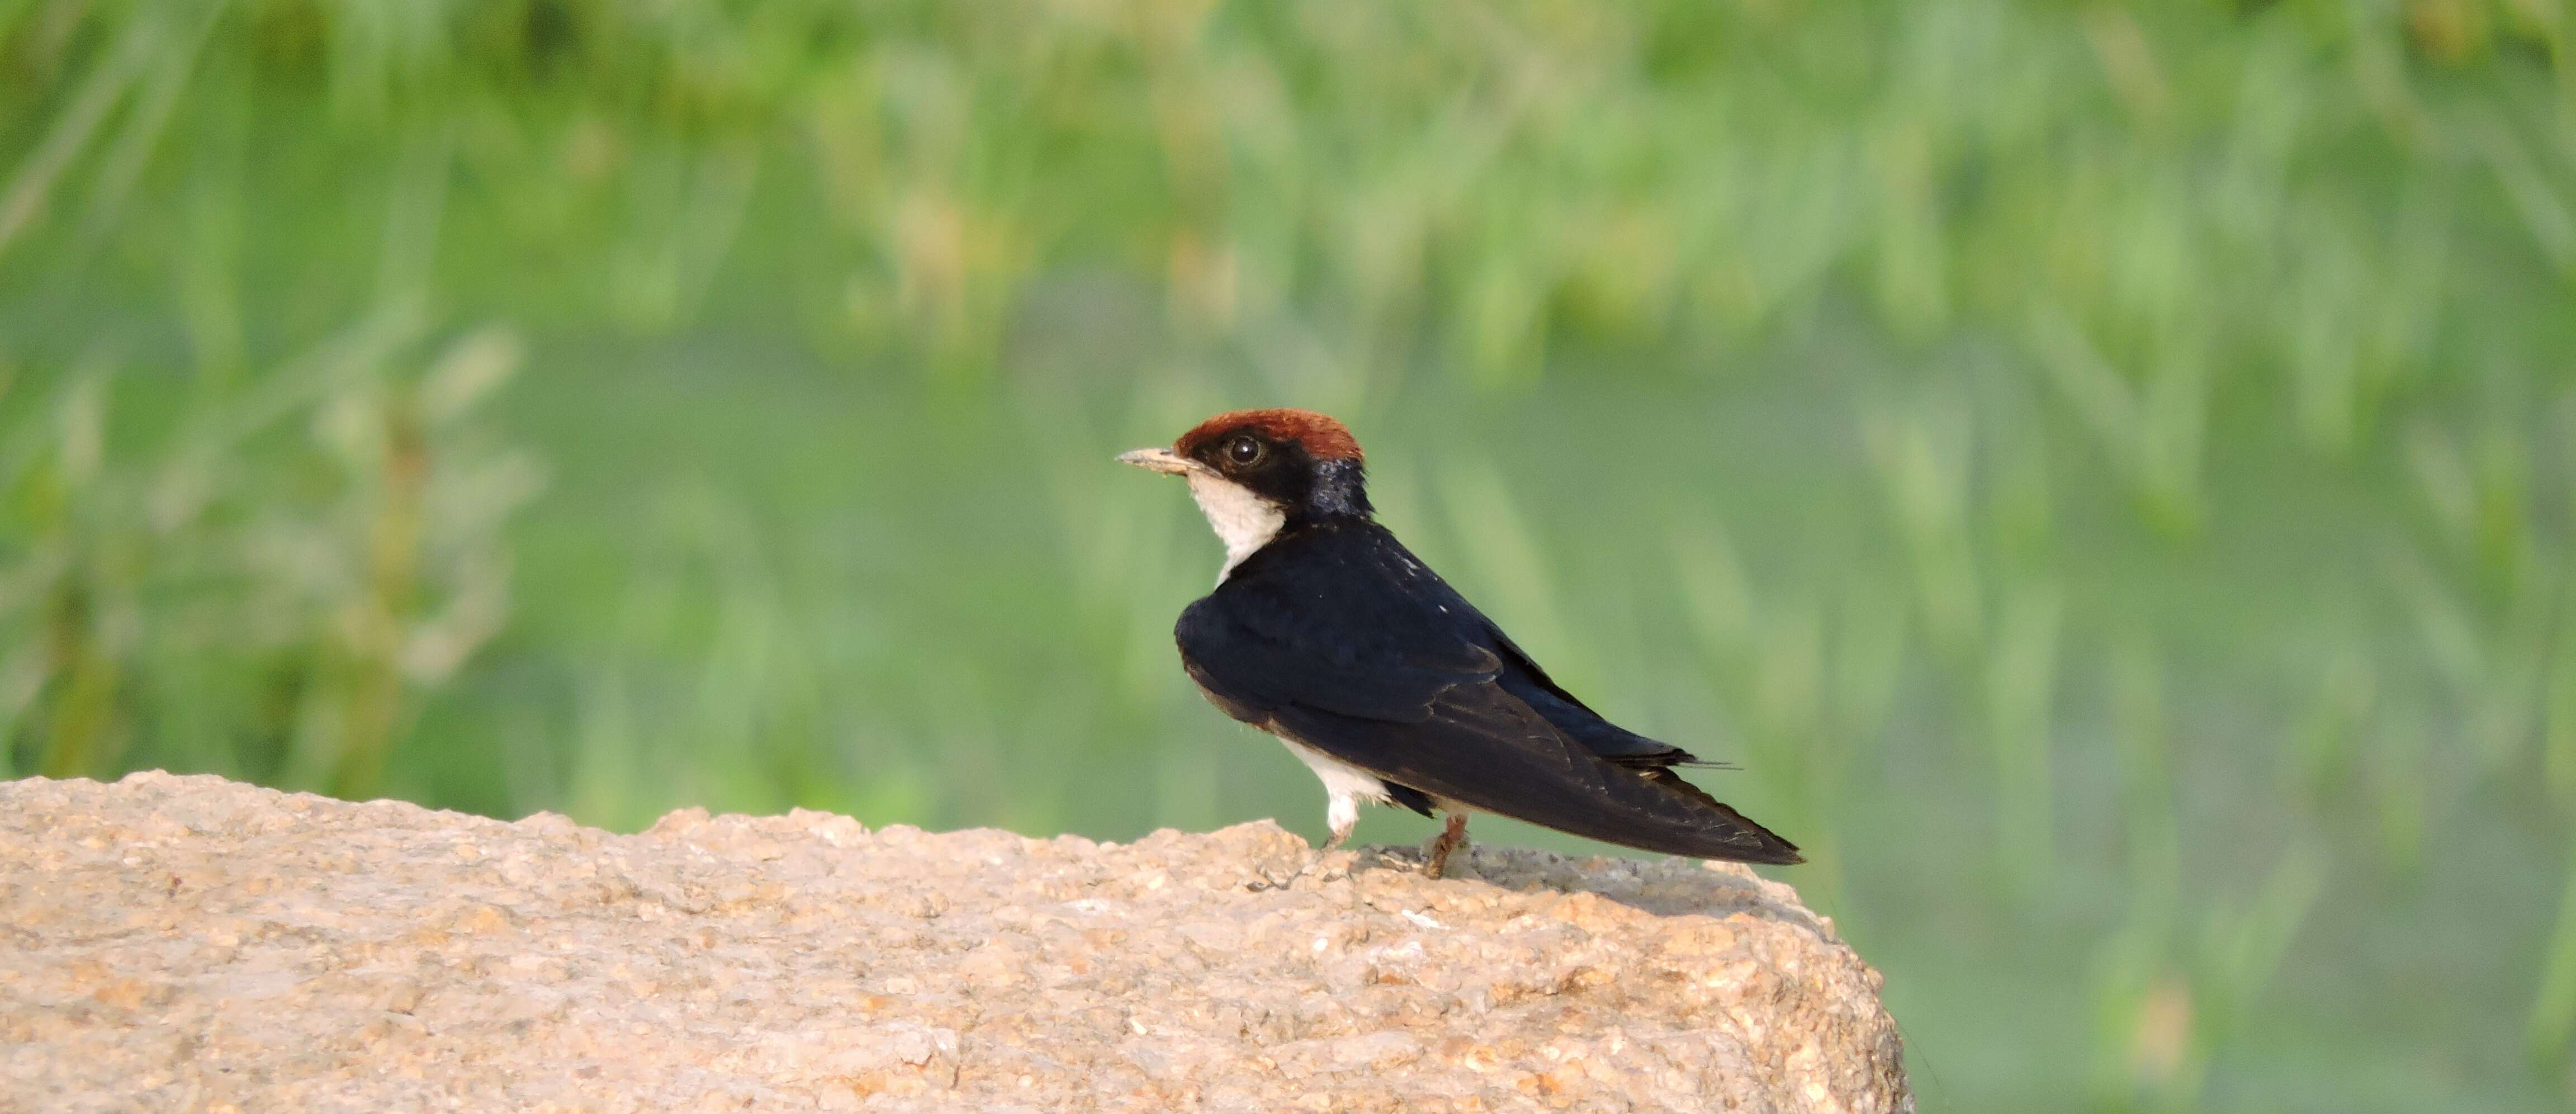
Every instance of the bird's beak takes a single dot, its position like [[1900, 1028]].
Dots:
[[1159, 460]]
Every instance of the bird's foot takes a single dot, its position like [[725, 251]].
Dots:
[[1452, 838], [1340, 836]]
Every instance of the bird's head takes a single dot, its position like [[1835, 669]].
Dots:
[[1256, 472]]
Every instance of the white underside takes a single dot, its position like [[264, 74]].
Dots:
[[1242, 520], [1345, 785]]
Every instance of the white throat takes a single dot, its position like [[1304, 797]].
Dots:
[[1242, 520]]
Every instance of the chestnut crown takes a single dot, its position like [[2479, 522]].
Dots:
[[1305, 462]]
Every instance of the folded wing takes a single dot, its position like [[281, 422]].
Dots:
[[1340, 651]]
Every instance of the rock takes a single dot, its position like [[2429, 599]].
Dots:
[[190, 943]]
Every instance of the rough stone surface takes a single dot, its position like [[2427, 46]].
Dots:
[[187, 943]]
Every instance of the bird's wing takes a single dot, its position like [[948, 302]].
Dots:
[[1360, 673], [1483, 748], [1523, 678]]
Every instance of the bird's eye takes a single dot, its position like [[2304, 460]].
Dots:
[[1244, 451]]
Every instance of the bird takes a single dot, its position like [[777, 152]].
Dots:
[[1325, 631]]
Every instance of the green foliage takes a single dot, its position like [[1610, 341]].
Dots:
[[233, 592], [2102, 470]]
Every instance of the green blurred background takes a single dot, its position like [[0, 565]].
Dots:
[[2103, 470]]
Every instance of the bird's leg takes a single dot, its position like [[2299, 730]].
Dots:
[[1452, 837], [1343, 822], [1342, 811]]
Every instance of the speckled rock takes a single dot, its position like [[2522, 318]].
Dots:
[[189, 943]]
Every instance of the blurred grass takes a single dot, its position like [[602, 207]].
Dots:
[[2101, 469]]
